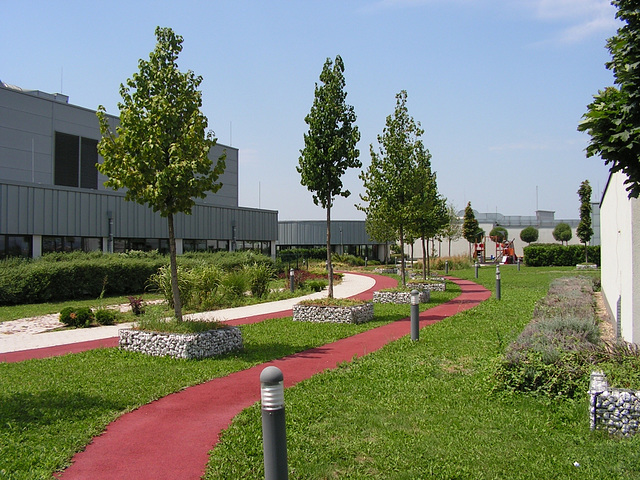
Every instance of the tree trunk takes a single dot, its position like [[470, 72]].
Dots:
[[177, 306], [586, 253], [402, 264], [329, 266], [449, 247], [428, 259], [425, 259]]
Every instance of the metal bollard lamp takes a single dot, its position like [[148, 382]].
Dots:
[[274, 434], [415, 314]]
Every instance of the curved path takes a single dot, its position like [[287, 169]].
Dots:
[[171, 437]]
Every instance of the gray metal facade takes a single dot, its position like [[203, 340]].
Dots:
[[310, 233], [31, 203]]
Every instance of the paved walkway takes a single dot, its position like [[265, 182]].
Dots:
[[17, 347], [171, 437]]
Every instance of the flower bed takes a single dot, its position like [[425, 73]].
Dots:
[[181, 345], [400, 296], [359, 313]]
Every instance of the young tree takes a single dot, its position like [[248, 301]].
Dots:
[[428, 212], [159, 152], [613, 118], [330, 145], [499, 234], [562, 233], [452, 231], [529, 234], [470, 226], [389, 182], [584, 230]]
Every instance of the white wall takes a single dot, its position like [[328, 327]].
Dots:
[[620, 236]]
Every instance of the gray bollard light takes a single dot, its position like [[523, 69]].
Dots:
[[518, 263], [291, 280], [498, 282], [446, 267], [476, 265], [415, 313], [274, 434]]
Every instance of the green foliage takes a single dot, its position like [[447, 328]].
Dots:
[[499, 234], [613, 118], [562, 232], [584, 230], [105, 316], [330, 144], [155, 321], [391, 182], [551, 355], [469, 224], [160, 150], [81, 276], [348, 259], [260, 277], [316, 285], [161, 282], [551, 254], [77, 317], [529, 234]]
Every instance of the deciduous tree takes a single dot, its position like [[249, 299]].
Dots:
[[390, 180], [613, 118], [529, 234], [329, 145], [562, 233], [160, 151], [452, 231]]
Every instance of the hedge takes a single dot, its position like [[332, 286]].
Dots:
[[77, 275], [37, 282], [554, 255]]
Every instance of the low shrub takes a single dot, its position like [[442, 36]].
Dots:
[[554, 354], [77, 317], [105, 316], [348, 259], [137, 305], [317, 285]]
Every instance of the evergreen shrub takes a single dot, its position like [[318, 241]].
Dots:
[[554, 255]]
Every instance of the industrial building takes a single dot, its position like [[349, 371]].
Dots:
[[52, 197]]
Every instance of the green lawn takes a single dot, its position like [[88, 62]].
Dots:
[[425, 410], [51, 408]]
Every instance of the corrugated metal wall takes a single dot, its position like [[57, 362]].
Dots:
[[315, 233], [61, 211]]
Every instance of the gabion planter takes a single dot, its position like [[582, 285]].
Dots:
[[320, 313], [400, 297], [431, 286], [588, 266], [181, 345]]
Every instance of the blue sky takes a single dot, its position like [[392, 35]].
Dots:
[[498, 85]]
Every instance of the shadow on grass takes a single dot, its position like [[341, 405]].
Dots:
[[32, 410]]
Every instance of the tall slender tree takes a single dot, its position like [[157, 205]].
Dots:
[[470, 226], [452, 230], [329, 145], [160, 150], [584, 230], [389, 182]]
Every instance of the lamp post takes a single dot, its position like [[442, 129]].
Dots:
[[498, 296], [274, 434], [292, 280], [415, 313], [476, 267]]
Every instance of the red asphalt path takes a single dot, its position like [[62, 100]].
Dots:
[[171, 437]]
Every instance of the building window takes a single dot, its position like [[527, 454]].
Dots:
[[75, 161], [15, 246]]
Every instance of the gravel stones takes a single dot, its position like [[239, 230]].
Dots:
[[321, 313], [182, 345], [615, 409], [400, 297]]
